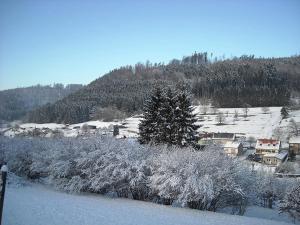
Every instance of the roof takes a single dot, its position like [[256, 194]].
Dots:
[[223, 136], [267, 144], [231, 144], [295, 140], [280, 155]]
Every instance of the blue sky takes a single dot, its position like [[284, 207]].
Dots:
[[76, 41]]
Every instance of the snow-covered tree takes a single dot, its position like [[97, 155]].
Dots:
[[220, 118], [168, 127], [265, 110], [185, 120], [152, 118], [291, 202], [293, 128], [168, 119], [284, 113]]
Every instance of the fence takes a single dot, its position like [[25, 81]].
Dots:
[[2, 186]]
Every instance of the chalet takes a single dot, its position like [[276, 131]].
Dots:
[[294, 145], [274, 159], [266, 146], [233, 148]]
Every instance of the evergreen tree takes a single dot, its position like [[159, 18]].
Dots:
[[284, 113], [186, 128], [152, 118], [168, 111]]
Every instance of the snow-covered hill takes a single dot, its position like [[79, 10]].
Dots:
[[36, 205], [257, 124]]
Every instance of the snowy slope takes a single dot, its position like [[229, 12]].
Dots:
[[257, 124], [36, 205]]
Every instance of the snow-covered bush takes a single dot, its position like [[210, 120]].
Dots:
[[205, 180], [291, 202]]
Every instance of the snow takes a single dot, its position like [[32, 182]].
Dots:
[[231, 144], [281, 155], [257, 124], [4, 168], [37, 205], [295, 140], [52, 126]]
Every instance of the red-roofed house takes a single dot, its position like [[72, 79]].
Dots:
[[266, 146]]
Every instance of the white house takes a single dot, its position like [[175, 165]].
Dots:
[[266, 146], [233, 148]]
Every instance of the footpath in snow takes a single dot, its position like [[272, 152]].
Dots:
[[37, 205]]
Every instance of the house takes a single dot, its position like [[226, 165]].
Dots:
[[233, 148], [266, 146], [215, 138], [274, 159], [294, 145], [222, 138]]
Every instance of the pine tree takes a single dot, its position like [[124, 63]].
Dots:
[[168, 112], [152, 118], [186, 129], [284, 113]]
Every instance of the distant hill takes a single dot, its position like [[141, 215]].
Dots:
[[15, 103], [226, 83]]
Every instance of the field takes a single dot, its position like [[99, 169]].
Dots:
[[33, 204], [257, 123]]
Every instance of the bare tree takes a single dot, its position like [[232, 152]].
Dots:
[[220, 118], [204, 109], [293, 128], [214, 110], [265, 110], [236, 116], [251, 140], [246, 110], [85, 128], [278, 133]]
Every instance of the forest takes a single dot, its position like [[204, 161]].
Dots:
[[15, 103], [223, 82]]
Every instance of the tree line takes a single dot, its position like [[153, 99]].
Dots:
[[15, 103], [226, 83]]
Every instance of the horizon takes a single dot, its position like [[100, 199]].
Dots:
[[74, 42]]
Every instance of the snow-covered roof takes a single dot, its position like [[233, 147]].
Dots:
[[295, 140], [223, 136], [280, 155], [267, 144], [231, 144]]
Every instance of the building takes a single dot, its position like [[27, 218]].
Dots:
[[233, 148], [215, 138], [274, 159], [266, 146], [294, 145], [223, 138]]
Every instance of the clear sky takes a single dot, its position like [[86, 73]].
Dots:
[[76, 41]]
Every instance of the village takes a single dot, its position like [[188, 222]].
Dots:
[[261, 138]]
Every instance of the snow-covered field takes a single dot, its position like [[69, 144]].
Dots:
[[257, 124], [34, 204]]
